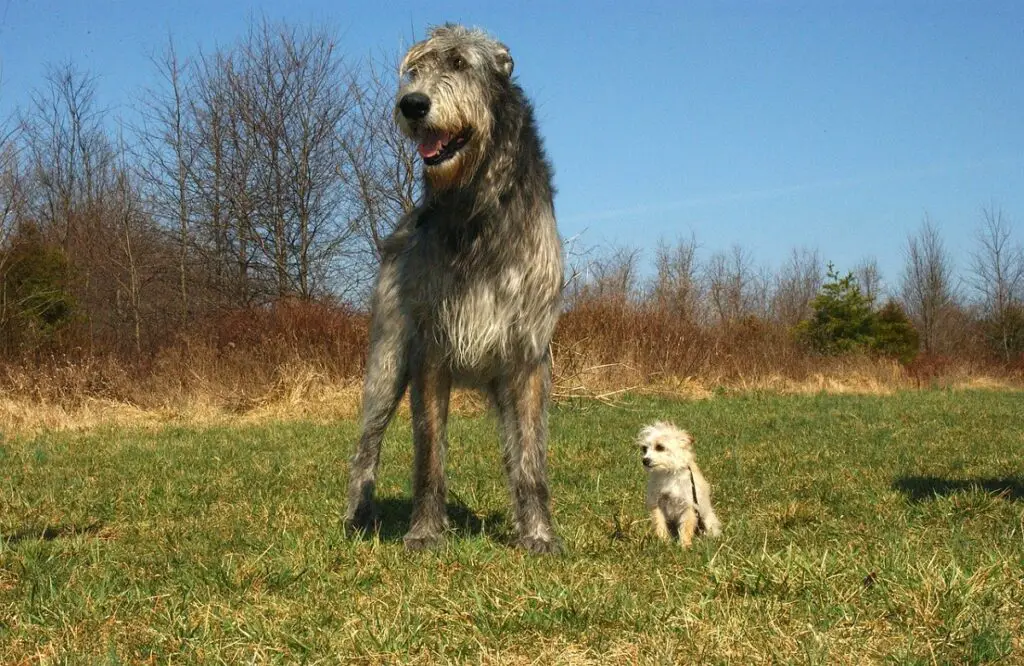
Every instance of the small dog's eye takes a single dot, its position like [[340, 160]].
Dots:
[[411, 73], [659, 447], [458, 62], [643, 449]]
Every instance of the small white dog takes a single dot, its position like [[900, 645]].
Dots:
[[678, 495]]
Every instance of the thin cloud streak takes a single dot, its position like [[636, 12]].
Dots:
[[777, 192]]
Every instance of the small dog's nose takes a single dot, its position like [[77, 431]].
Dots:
[[414, 106], [647, 462]]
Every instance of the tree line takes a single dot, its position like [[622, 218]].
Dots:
[[259, 172], [975, 315], [265, 172]]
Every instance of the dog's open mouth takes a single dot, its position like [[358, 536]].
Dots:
[[438, 147]]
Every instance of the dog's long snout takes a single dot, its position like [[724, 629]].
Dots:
[[414, 105]]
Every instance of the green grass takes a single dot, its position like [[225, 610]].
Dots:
[[857, 529]]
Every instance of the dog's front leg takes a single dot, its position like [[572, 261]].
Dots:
[[430, 389], [383, 388], [522, 401], [687, 527], [660, 524]]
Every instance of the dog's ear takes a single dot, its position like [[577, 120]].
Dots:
[[503, 58]]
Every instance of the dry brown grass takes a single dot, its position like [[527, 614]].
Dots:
[[296, 361]]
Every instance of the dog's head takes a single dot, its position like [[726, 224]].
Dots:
[[665, 447], [449, 83]]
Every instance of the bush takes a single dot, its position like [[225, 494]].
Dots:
[[843, 321], [36, 305], [894, 335]]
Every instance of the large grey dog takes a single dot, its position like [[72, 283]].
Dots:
[[469, 288]]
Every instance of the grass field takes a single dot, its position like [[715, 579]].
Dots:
[[858, 529]]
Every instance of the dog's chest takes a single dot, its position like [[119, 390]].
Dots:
[[671, 493], [481, 303]]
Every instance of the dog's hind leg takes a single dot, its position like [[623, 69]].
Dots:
[[522, 400], [386, 379], [709, 521]]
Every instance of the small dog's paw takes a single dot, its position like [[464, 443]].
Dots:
[[541, 545], [712, 528], [422, 541]]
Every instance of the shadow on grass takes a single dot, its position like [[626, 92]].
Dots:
[[49, 533], [921, 488], [395, 514]]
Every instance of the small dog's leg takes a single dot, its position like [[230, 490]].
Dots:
[[431, 388], [660, 524], [687, 527], [522, 402], [383, 388], [708, 518]]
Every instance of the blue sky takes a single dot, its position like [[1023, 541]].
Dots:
[[835, 125]]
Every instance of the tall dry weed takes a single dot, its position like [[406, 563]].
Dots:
[[298, 359]]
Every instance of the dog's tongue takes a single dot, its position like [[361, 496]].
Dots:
[[432, 145]]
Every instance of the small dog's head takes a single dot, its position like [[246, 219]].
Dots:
[[665, 447]]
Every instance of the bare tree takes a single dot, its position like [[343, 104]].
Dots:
[[225, 204], [129, 278], [997, 276], [611, 275], [12, 204], [291, 95], [12, 190], [69, 150], [166, 145], [734, 287], [71, 159], [869, 278], [796, 285], [381, 170], [927, 286], [676, 284]]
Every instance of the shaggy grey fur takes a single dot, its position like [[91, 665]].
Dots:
[[469, 288]]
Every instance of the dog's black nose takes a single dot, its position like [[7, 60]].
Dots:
[[647, 462], [414, 105]]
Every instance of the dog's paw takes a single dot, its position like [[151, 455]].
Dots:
[[363, 520], [713, 529], [541, 545], [422, 541]]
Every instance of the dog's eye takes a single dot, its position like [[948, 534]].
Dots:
[[411, 73], [659, 447], [458, 62], [643, 449]]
